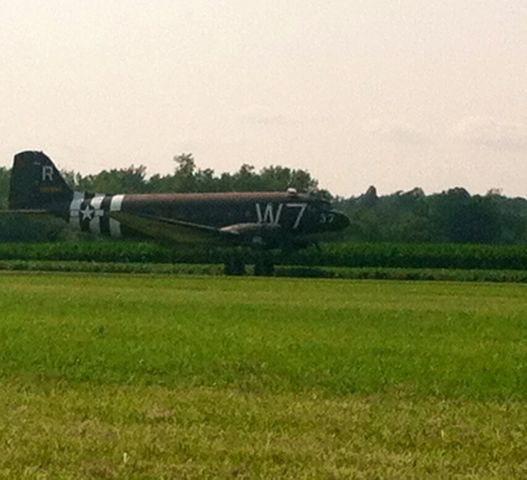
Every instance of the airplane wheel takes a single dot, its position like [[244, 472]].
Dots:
[[264, 268], [234, 266]]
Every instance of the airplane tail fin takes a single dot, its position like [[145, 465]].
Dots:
[[36, 183]]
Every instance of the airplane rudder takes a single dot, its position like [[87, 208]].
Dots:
[[35, 181]]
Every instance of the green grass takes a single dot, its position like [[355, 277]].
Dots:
[[157, 432], [108, 376]]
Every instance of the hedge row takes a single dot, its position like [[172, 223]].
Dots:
[[462, 256], [354, 255], [511, 276]]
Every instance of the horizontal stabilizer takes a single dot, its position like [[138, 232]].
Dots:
[[25, 212]]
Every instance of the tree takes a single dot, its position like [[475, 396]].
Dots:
[[5, 176], [124, 180], [458, 217]]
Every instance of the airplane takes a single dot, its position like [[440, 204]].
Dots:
[[259, 220]]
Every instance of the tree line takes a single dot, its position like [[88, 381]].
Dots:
[[411, 217], [188, 177], [452, 216]]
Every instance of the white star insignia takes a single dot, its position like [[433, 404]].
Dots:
[[87, 213]]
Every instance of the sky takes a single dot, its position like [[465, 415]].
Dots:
[[390, 93]]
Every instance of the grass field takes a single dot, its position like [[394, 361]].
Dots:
[[107, 376]]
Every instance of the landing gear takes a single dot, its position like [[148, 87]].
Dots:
[[235, 262], [264, 267], [234, 265]]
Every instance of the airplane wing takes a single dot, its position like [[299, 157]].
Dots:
[[171, 229]]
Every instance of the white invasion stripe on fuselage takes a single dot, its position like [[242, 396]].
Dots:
[[78, 198], [115, 206], [95, 222], [117, 203]]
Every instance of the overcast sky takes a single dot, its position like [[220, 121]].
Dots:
[[395, 94]]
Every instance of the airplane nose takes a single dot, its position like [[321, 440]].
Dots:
[[341, 221]]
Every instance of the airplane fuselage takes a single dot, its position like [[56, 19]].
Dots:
[[293, 214], [262, 219]]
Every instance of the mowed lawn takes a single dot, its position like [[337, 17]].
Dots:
[[106, 376]]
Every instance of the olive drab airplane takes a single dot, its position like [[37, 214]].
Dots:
[[262, 220]]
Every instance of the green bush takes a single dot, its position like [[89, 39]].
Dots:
[[352, 255], [415, 256]]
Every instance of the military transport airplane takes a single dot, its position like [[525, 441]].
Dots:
[[261, 220]]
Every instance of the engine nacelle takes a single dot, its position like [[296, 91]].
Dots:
[[261, 235]]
